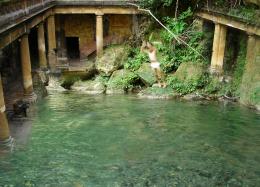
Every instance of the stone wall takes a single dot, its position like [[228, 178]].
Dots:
[[120, 26], [117, 28], [82, 26]]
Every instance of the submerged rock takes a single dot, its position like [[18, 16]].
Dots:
[[96, 86], [112, 59], [158, 93], [121, 81], [146, 74], [194, 97]]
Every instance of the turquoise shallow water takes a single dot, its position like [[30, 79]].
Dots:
[[79, 140]]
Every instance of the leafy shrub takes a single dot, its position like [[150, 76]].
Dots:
[[173, 52], [135, 59], [124, 81], [185, 87]]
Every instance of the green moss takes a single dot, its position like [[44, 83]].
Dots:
[[239, 68]]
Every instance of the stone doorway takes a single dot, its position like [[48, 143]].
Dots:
[[73, 47]]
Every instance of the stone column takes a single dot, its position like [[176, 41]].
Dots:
[[135, 25], [99, 34], [41, 47], [51, 42], [4, 129], [219, 44], [26, 69], [251, 46], [249, 94], [61, 41]]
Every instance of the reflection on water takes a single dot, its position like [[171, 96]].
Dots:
[[78, 140]]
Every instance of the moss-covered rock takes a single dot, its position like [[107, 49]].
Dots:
[[146, 74], [96, 86], [158, 93], [112, 59], [121, 81], [188, 77], [190, 71]]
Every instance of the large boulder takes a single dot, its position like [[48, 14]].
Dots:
[[146, 74], [121, 81], [188, 77], [96, 86], [112, 59], [190, 71]]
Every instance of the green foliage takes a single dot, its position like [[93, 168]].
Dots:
[[126, 82], [214, 85], [185, 87], [173, 53], [155, 4], [102, 79], [246, 12], [239, 68], [135, 59], [176, 26]]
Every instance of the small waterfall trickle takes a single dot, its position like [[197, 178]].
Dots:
[[55, 84]]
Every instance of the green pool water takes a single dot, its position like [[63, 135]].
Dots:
[[79, 140]]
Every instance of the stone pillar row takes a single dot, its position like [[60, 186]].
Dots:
[[29, 95], [219, 44], [26, 64]]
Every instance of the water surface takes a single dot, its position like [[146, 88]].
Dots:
[[79, 140]]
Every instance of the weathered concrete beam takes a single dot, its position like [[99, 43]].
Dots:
[[95, 2], [11, 34], [229, 21], [95, 10]]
